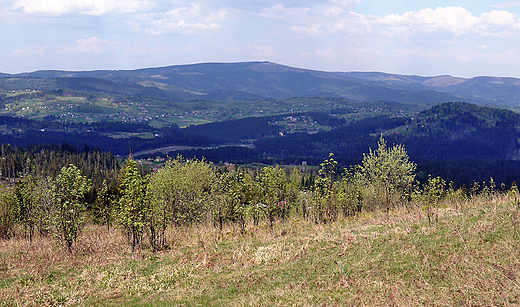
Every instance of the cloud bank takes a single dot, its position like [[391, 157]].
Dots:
[[330, 35]]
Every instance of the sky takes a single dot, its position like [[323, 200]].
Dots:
[[463, 38]]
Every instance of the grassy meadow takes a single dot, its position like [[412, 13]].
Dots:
[[468, 255]]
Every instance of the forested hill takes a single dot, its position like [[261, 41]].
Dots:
[[450, 131], [485, 115], [255, 80], [464, 131], [457, 141]]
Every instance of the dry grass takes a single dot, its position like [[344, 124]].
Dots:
[[470, 257]]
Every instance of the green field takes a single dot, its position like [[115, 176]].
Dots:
[[39, 97]]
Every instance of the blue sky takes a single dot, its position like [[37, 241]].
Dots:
[[421, 37]]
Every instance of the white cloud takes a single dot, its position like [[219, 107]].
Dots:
[[353, 24], [281, 12], [454, 19], [337, 7], [352, 55], [186, 20], [145, 16], [362, 54], [146, 49], [416, 53], [93, 45], [86, 7], [31, 51], [313, 30], [327, 55], [505, 5], [261, 51], [344, 2], [499, 23], [451, 20]]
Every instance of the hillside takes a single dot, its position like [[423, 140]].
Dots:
[[467, 258], [461, 130], [481, 90], [479, 142], [247, 80], [448, 131]]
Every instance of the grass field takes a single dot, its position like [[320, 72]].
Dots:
[[469, 257]]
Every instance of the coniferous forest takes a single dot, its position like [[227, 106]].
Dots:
[[51, 190]]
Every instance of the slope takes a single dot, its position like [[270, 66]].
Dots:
[[254, 80]]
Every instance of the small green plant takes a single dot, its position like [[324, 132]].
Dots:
[[273, 185], [235, 199], [69, 190], [7, 213], [434, 192], [130, 208], [102, 208], [325, 192], [514, 194]]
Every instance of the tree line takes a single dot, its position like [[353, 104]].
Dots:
[[145, 204]]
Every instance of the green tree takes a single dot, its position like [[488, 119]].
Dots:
[[26, 204], [195, 185], [236, 189], [7, 212], [179, 193], [386, 173], [69, 190], [102, 206], [257, 208], [325, 194], [273, 185], [44, 200], [434, 192], [349, 193], [162, 196], [295, 196], [131, 207], [34, 200]]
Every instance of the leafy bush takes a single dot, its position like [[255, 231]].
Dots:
[[69, 190]]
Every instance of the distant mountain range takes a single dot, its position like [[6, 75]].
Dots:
[[257, 80]]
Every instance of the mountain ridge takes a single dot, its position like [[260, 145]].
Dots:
[[264, 79]]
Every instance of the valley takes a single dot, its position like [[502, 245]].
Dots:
[[262, 112]]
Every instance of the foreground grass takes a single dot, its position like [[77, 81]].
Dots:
[[470, 257]]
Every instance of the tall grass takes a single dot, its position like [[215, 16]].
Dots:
[[468, 257]]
